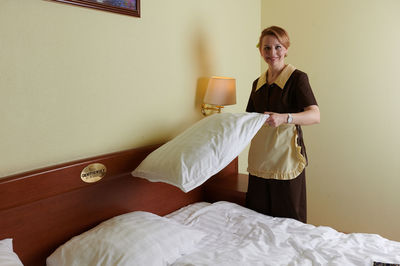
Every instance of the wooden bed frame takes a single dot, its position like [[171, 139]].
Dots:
[[44, 208]]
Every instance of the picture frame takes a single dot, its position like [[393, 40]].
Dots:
[[125, 7]]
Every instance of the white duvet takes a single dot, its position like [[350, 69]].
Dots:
[[239, 236]]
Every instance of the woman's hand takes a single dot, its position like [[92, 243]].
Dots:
[[275, 119], [309, 116]]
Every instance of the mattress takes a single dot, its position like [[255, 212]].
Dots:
[[239, 236]]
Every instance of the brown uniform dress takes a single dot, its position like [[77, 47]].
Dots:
[[281, 198]]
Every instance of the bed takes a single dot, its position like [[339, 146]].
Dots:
[[43, 209], [95, 211], [239, 236]]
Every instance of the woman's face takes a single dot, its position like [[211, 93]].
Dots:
[[272, 51]]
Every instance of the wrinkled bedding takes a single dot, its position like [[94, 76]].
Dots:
[[239, 236]]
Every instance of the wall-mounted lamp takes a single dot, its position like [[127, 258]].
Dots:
[[220, 91]]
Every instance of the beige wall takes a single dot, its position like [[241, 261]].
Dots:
[[79, 82], [350, 51]]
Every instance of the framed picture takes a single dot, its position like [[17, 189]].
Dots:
[[126, 7]]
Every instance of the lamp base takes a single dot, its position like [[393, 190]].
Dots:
[[209, 109]]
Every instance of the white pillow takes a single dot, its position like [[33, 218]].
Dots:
[[201, 151], [136, 238], [7, 255]]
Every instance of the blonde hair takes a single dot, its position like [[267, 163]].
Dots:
[[278, 32]]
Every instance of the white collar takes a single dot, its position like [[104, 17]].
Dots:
[[280, 80]]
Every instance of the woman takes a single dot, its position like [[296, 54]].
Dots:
[[277, 156]]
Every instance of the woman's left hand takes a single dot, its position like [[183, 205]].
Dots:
[[275, 119], [309, 116]]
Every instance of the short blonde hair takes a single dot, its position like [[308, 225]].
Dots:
[[280, 33]]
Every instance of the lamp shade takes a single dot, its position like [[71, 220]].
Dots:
[[221, 91]]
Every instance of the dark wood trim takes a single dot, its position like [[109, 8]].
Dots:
[[104, 7], [44, 208], [228, 187], [45, 182]]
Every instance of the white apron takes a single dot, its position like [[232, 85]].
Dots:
[[275, 154]]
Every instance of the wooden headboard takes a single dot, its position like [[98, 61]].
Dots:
[[44, 208]]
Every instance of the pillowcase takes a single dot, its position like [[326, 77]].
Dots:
[[7, 255], [201, 151], [136, 238]]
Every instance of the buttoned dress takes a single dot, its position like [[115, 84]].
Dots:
[[280, 195]]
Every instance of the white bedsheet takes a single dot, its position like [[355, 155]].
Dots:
[[239, 236]]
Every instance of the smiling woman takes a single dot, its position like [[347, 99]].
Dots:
[[277, 184], [126, 7]]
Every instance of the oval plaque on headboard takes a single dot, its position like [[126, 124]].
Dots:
[[93, 172]]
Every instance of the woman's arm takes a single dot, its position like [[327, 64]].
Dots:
[[309, 116]]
